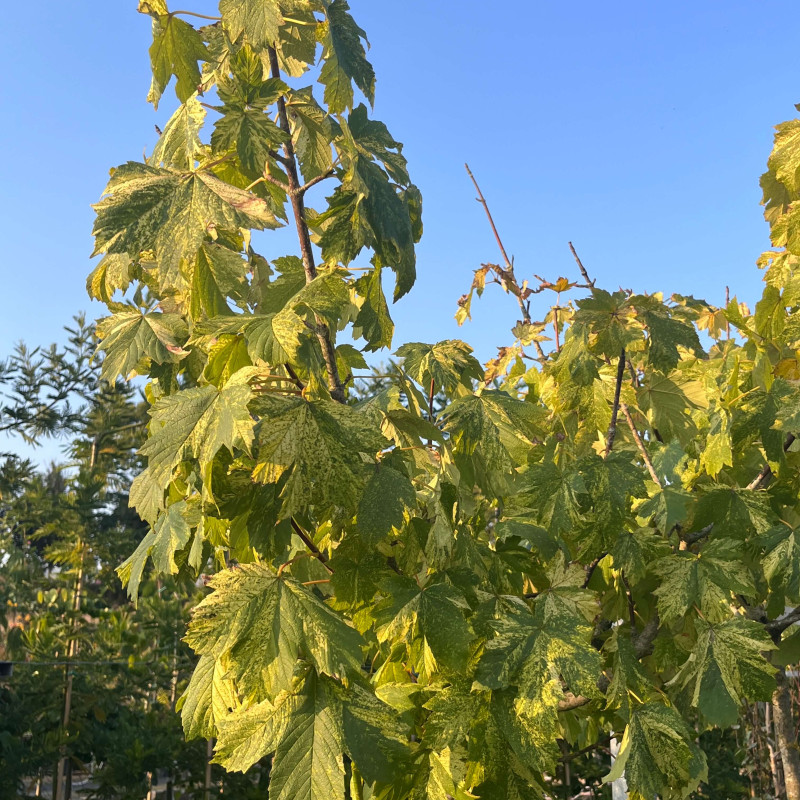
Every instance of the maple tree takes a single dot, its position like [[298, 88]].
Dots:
[[418, 598]]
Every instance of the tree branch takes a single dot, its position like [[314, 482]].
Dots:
[[775, 627], [766, 472], [580, 266], [335, 385], [612, 428], [640, 444], [482, 201], [309, 543]]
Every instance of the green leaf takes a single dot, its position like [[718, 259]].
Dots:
[[251, 133], [251, 733], [314, 450], [534, 652], [344, 59], [262, 624], [312, 133], [782, 560], [195, 423], [784, 160], [176, 49], [208, 699], [387, 497], [259, 20], [630, 683], [553, 495], [447, 364], [216, 275], [726, 667], [171, 212], [658, 756], [303, 729], [170, 534], [129, 337], [707, 580], [431, 620], [372, 138], [665, 334], [607, 320], [373, 322], [634, 552], [179, 145]]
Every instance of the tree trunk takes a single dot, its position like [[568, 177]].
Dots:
[[774, 758], [785, 736]]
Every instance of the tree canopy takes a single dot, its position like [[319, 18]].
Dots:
[[430, 590]]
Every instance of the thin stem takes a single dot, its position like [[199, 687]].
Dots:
[[293, 375], [254, 183], [335, 385], [580, 266], [612, 428], [555, 327], [727, 302], [193, 14], [314, 181], [482, 201], [309, 543], [640, 444]]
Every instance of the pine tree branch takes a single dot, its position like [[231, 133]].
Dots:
[[335, 385], [612, 428]]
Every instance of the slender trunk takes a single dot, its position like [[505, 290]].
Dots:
[[209, 756], [774, 759], [296, 191], [61, 789], [785, 736]]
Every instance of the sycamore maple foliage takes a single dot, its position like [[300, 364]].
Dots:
[[411, 602]]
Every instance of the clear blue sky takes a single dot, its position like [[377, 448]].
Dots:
[[636, 129]]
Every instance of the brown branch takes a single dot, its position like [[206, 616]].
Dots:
[[775, 627], [482, 201], [640, 444], [589, 571], [693, 538], [766, 471], [293, 375], [314, 181], [580, 266], [612, 427], [578, 753], [335, 385], [643, 643], [309, 543]]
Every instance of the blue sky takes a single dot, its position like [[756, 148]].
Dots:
[[638, 130]]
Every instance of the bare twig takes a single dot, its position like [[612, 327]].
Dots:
[[612, 428], [581, 267], [482, 201], [314, 181], [640, 444]]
